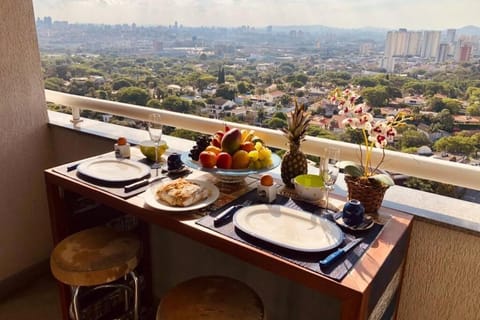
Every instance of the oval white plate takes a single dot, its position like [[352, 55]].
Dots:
[[288, 228], [152, 201], [114, 170]]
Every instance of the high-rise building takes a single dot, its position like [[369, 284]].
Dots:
[[442, 52], [403, 43], [464, 52], [451, 36], [430, 44], [366, 48]]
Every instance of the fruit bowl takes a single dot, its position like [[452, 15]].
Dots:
[[230, 175]]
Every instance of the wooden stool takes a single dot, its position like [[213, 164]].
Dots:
[[94, 258], [213, 298]]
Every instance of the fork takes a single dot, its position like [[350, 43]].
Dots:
[[227, 214]]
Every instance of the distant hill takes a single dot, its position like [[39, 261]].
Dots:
[[367, 32], [371, 32], [469, 31]]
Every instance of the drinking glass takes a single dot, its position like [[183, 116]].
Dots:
[[155, 131], [329, 172]]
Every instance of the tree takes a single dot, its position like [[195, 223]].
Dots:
[[443, 121], [244, 87], [376, 96], [413, 138], [436, 104], [433, 187], [154, 103], [365, 82], [303, 78], [225, 91], [101, 94], [54, 83], [473, 110], [316, 131], [414, 87], [203, 80], [122, 83], [133, 95], [276, 123], [285, 100], [457, 144], [452, 105], [176, 104], [280, 115], [221, 75]]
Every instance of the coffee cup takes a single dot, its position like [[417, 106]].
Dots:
[[353, 213]]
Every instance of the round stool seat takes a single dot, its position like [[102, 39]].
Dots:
[[213, 298], [95, 256]]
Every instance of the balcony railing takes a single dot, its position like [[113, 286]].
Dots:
[[412, 165]]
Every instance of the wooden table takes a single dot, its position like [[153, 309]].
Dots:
[[369, 289]]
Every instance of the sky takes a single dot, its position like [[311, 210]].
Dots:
[[389, 14]]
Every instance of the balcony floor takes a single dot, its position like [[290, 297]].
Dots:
[[37, 301]]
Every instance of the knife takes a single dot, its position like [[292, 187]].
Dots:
[[227, 214], [340, 252], [141, 183]]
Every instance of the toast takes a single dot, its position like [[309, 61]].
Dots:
[[181, 193]]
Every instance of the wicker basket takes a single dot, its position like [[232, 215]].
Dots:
[[368, 193]]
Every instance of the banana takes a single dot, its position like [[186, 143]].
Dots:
[[249, 136]]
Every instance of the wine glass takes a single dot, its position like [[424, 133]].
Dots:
[[329, 172], [155, 131]]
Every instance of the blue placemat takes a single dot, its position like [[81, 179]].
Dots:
[[308, 260], [115, 188]]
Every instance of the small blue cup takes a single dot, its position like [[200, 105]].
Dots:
[[353, 213]]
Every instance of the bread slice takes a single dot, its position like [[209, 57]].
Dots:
[[181, 193]]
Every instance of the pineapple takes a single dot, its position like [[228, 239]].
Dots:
[[294, 162]]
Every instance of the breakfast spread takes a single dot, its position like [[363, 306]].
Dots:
[[181, 193]]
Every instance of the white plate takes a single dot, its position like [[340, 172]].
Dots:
[[114, 170], [151, 198], [288, 228]]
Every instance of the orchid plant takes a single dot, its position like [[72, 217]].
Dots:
[[376, 133]]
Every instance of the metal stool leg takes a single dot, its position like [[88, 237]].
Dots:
[[136, 294], [76, 314]]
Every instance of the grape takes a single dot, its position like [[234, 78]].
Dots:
[[260, 158], [201, 144]]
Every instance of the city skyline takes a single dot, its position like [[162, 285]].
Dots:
[[409, 14]]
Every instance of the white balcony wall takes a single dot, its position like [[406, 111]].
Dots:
[[26, 150]]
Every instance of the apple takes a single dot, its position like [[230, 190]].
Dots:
[[231, 141], [224, 160], [216, 142], [247, 146], [207, 159]]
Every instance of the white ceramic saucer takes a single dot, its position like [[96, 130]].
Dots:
[[366, 224]]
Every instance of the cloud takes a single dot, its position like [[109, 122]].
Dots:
[[420, 14]]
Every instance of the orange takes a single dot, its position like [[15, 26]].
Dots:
[[266, 180], [240, 160], [121, 141], [213, 149]]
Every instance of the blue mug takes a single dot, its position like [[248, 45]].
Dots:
[[353, 213]]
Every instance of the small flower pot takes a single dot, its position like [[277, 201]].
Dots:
[[368, 193]]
